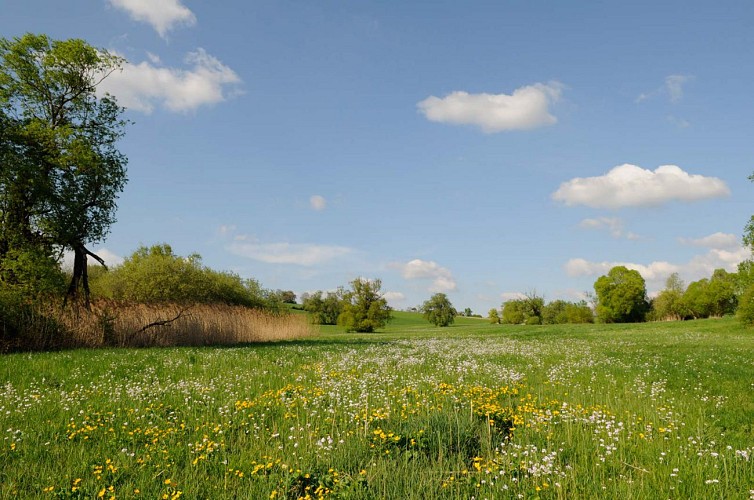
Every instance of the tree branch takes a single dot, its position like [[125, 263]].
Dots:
[[166, 322]]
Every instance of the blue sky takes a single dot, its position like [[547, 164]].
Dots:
[[481, 149]]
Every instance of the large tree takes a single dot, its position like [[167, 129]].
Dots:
[[439, 311], [61, 171], [621, 296]]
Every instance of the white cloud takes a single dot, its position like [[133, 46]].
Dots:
[[506, 296], [654, 271], [526, 108], [289, 253], [163, 15], [394, 297], [700, 266], [318, 202], [442, 278], [632, 186], [717, 240], [612, 224], [672, 87], [145, 85]]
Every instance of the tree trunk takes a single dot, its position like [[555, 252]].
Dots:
[[80, 277]]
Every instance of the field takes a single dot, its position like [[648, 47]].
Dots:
[[657, 410]]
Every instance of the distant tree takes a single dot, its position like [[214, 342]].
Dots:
[[468, 312], [621, 296], [513, 312], [287, 296], [533, 306], [669, 303], [324, 309], [439, 311], [493, 316], [745, 311], [364, 307], [560, 312], [579, 312], [744, 276], [722, 290], [697, 299]]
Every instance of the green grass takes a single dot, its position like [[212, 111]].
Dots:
[[658, 410]]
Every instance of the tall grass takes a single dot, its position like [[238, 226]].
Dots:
[[118, 324]]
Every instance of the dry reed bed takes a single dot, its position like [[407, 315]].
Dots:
[[112, 323]]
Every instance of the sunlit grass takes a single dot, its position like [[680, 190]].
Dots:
[[659, 410]]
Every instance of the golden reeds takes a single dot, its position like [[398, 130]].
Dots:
[[117, 324]]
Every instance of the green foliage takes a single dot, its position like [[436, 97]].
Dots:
[[60, 170], [560, 312], [744, 276], [439, 311], [287, 296], [579, 312], [697, 299], [554, 313], [324, 309], [493, 316], [621, 296], [526, 310], [513, 312], [722, 290], [669, 303], [156, 274], [745, 312], [364, 307]]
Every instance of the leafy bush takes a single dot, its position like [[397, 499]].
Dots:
[[156, 274]]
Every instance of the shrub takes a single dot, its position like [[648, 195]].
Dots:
[[156, 274]]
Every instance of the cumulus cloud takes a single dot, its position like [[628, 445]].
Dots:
[[442, 279], [632, 186], [526, 108], [162, 15], [147, 84], [301, 254], [700, 266], [318, 202], [613, 225], [653, 271], [394, 297], [717, 240]]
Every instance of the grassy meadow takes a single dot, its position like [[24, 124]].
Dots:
[[656, 410]]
